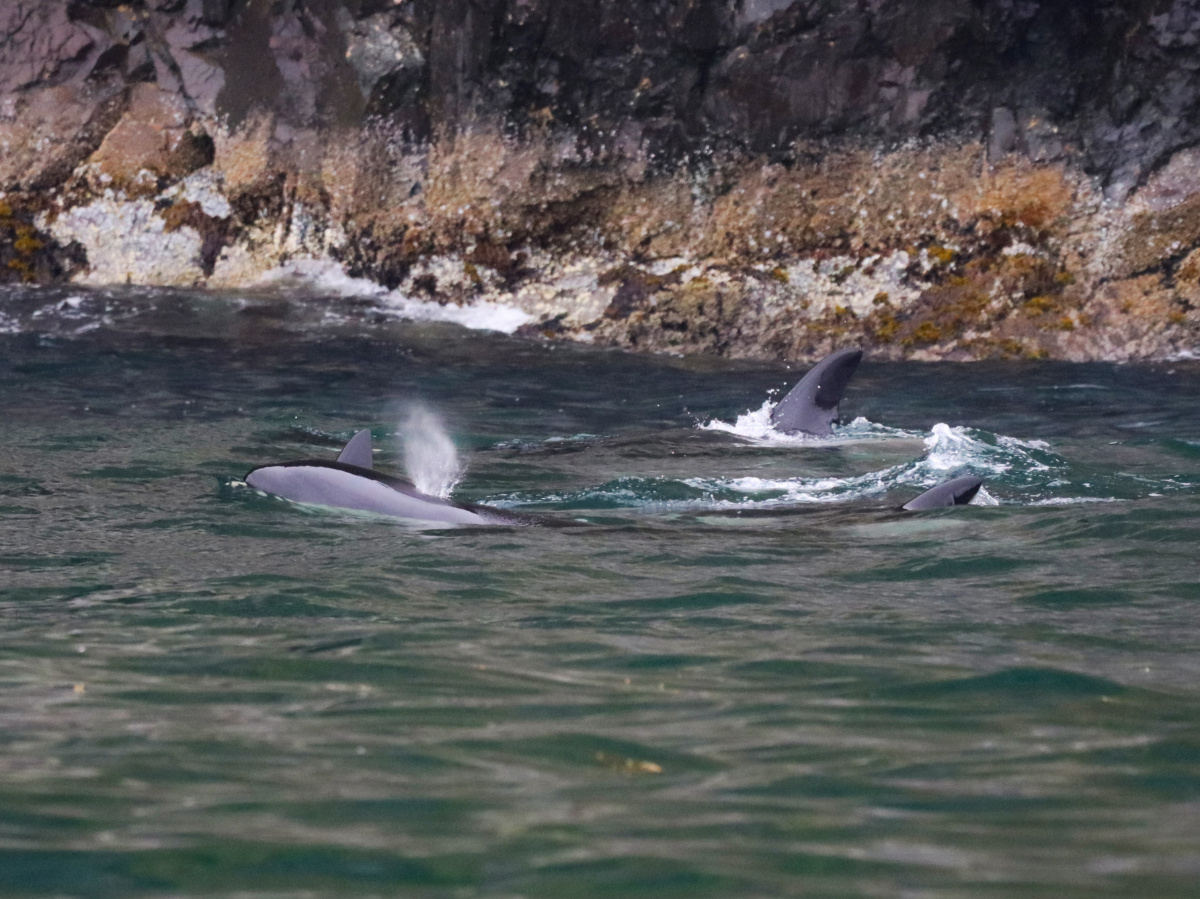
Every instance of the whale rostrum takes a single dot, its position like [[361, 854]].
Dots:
[[811, 407], [351, 482]]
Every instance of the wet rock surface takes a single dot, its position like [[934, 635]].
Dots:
[[954, 178]]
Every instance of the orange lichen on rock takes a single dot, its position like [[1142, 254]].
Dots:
[[1019, 194]]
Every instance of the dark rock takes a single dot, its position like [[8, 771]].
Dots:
[[378, 47], [214, 232], [1003, 137], [774, 145], [1117, 81], [634, 289]]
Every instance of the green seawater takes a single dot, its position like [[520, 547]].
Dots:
[[743, 675]]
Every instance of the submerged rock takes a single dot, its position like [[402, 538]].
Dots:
[[766, 178]]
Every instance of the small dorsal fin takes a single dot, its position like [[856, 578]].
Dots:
[[812, 405], [358, 450], [958, 492]]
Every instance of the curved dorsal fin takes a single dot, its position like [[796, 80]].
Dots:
[[358, 450], [957, 492], [812, 405]]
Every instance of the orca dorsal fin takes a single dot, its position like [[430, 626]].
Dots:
[[811, 406], [957, 492], [358, 450]]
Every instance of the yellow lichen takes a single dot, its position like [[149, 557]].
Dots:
[[22, 268], [926, 332], [941, 255], [1039, 305], [26, 243], [886, 329]]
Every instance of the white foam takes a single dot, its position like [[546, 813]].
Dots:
[[762, 485], [949, 451], [793, 491], [983, 498], [1073, 500], [328, 277], [323, 275], [483, 316], [755, 426], [949, 448]]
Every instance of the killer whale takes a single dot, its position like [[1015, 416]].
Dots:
[[811, 407], [351, 482], [955, 492]]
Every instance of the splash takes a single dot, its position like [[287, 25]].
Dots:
[[1025, 465], [951, 449], [752, 425], [429, 454], [755, 427], [323, 276]]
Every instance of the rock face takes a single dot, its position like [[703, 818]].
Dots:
[[930, 178]]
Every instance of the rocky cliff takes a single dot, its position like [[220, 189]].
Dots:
[[928, 178]]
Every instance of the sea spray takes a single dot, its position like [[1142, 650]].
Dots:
[[325, 277], [430, 456], [756, 429]]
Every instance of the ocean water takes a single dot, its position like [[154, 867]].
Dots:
[[745, 674]]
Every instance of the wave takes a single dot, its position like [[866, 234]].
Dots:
[[755, 427], [49, 311], [327, 277], [67, 312], [950, 451], [1020, 472]]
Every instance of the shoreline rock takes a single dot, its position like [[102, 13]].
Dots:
[[764, 179]]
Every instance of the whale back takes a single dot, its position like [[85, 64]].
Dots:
[[958, 492], [341, 485]]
